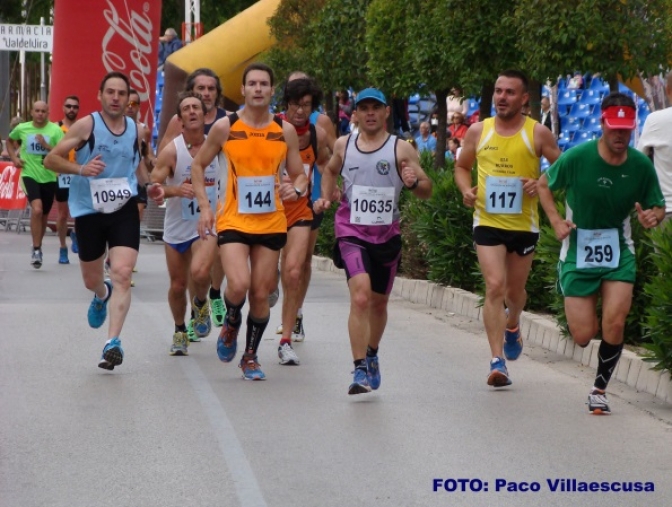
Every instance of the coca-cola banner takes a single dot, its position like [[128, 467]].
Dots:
[[11, 194], [95, 37]]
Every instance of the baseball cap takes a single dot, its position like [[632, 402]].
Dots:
[[371, 94], [619, 117]]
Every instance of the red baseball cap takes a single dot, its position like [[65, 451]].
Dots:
[[620, 117]]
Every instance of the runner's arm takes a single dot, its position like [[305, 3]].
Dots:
[[165, 166], [414, 178], [465, 163], [57, 159], [173, 130]]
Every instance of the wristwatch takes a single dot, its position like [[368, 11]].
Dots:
[[299, 193]]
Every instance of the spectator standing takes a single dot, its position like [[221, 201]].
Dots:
[[655, 142], [168, 44], [456, 103], [344, 112], [576, 82], [546, 120]]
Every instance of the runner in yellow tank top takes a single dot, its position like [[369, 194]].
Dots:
[[252, 227], [503, 162], [506, 218]]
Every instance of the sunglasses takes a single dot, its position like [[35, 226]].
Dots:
[[133, 103], [71, 106]]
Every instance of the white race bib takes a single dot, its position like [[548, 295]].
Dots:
[[109, 194], [256, 194], [371, 205], [190, 208], [503, 195], [597, 248], [33, 146], [64, 180]]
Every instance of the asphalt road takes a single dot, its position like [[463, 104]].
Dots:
[[187, 431]]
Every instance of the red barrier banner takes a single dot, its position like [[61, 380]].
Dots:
[[11, 195], [95, 37]]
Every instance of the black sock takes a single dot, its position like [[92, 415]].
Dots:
[[371, 352], [361, 364], [37, 248], [607, 359], [180, 328], [198, 302], [215, 294], [255, 330], [233, 315], [193, 314]]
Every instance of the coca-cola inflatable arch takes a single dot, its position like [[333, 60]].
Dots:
[[95, 37]]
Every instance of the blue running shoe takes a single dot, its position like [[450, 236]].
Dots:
[[75, 245], [63, 256], [513, 344], [251, 368], [98, 308], [373, 372], [227, 343], [499, 375], [113, 354], [201, 322], [360, 383]]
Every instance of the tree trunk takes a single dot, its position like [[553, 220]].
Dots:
[[441, 141], [487, 90], [535, 99]]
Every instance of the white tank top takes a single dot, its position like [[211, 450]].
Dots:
[[181, 220]]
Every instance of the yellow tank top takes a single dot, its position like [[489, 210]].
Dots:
[[502, 162], [255, 157]]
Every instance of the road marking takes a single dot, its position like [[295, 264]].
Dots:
[[244, 480]]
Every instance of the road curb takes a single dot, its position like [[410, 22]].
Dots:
[[541, 331]]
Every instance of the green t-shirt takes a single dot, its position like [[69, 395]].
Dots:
[[32, 152], [599, 199]]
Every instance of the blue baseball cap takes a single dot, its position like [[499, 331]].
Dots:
[[371, 94]]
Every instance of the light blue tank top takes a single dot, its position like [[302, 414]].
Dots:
[[120, 154]]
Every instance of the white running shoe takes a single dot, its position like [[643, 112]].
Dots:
[[287, 355]]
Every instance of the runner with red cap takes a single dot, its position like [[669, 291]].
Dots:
[[604, 181]]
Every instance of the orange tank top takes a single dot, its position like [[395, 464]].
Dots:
[[255, 157], [301, 209]]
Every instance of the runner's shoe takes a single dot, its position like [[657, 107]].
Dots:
[[180, 344], [190, 332], [113, 354], [513, 344], [202, 322], [217, 311], [360, 384], [63, 256], [227, 343], [287, 355], [598, 403], [98, 308], [373, 372], [298, 333], [75, 246], [36, 259], [251, 368], [499, 375]]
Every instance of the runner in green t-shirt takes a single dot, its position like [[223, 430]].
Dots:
[[604, 181], [36, 139]]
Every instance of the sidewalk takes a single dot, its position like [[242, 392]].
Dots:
[[541, 331]]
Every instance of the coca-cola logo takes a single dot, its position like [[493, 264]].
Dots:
[[8, 187], [136, 29]]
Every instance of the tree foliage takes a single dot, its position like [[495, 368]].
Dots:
[[610, 36]]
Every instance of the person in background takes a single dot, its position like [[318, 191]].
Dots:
[[168, 44], [425, 141], [458, 128], [344, 112], [456, 103]]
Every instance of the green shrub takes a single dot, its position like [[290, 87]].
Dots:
[[658, 290]]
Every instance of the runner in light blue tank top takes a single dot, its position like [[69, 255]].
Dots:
[[121, 157]]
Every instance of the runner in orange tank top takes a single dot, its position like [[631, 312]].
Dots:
[[301, 96], [251, 224]]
